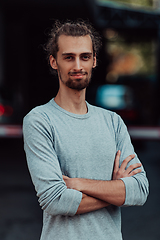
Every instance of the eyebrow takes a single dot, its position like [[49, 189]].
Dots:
[[73, 54]]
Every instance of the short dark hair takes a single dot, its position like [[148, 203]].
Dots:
[[76, 29]]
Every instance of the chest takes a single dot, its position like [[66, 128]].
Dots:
[[85, 149]]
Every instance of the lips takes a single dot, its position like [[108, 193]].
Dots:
[[77, 75]]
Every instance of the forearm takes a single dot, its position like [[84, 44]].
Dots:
[[112, 192], [89, 204]]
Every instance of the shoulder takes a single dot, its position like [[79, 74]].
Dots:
[[112, 119], [110, 115], [40, 115], [38, 122], [43, 111]]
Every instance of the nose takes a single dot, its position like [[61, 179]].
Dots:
[[77, 65]]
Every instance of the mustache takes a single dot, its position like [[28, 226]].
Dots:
[[79, 72]]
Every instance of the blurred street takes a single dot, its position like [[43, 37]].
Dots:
[[126, 80], [21, 216]]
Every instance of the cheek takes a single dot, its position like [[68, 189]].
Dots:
[[62, 69], [65, 69], [90, 68]]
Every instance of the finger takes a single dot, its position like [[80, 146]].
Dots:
[[132, 167], [134, 172], [126, 161], [116, 161], [64, 177]]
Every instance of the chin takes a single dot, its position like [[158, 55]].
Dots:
[[78, 85]]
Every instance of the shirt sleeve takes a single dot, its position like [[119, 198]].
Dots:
[[137, 186], [44, 167]]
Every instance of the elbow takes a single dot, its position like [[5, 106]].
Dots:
[[141, 200], [50, 200], [138, 199], [52, 207], [137, 192], [144, 192], [64, 203]]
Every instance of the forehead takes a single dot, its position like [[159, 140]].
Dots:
[[70, 44]]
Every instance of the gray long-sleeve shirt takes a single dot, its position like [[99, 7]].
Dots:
[[59, 142]]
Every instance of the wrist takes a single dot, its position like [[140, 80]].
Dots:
[[79, 182]]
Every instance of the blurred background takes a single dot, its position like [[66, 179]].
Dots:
[[126, 80]]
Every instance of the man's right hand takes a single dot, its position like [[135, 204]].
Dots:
[[122, 171]]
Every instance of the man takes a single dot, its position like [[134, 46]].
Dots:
[[80, 157]]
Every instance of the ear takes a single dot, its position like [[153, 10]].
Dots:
[[94, 61], [53, 62]]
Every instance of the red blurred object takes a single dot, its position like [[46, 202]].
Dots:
[[2, 109], [6, 110]]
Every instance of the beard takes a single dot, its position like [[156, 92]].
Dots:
[[76, 84]]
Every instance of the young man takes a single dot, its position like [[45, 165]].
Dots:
[[80, 157]]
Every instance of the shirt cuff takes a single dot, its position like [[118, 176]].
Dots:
[[130, 191], [72, 201]]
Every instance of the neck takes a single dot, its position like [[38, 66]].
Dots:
[[72, 100]]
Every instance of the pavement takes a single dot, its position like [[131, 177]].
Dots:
[[21, 216]]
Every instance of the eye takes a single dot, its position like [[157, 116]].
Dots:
[[86, 57], [68, 57]]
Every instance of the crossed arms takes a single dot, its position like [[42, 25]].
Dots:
[[97, 194], [57, 195]]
